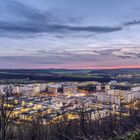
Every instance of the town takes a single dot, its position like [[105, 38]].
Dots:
[[56, 100]]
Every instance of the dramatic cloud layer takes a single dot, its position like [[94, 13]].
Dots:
[[69, 34]]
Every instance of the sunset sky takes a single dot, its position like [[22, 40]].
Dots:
[[71, 34]]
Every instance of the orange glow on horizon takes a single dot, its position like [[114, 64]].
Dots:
[[114, 67], [85, 67]]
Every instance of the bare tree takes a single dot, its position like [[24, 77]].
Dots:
[[6, 110]]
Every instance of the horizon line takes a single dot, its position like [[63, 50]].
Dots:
[[113, 68]]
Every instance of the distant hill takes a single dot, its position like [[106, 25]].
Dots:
[[116, 71], [43, 71], [63, 71], [101, 75], [51, 75]]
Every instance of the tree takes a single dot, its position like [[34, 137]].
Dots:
[[6, 109]]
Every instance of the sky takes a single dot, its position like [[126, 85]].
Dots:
[[71, 34]]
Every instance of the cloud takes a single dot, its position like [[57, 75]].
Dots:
[[43, 55], [29, 59], [28, 21], [70, 58], [133, 22], [32, 28], [31, 20], [127, 52], [93, 52]]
